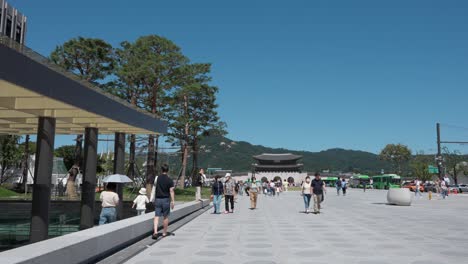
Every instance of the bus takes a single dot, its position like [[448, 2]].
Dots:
[[329, 181], [358, 181], [386, 181]]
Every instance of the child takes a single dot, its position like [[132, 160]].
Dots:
[[140, 201]]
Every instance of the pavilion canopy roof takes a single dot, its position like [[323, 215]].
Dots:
[[32, 87]]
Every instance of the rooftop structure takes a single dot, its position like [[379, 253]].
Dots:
[[12, 23]]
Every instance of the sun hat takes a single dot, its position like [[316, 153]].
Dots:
[[142, 191], [228, 174]]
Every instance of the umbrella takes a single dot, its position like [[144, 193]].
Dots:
[[119, 178]]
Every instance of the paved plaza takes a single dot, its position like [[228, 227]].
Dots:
[[357, 228]]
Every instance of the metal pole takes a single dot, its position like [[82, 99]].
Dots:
[[42, 179], [89, 178], [119, 167], [439, 153]]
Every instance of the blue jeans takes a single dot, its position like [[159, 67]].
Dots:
[[217, 203], [108, 215], [416, 192], [306, 201]]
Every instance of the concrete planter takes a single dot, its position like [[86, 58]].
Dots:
[[399, 196]]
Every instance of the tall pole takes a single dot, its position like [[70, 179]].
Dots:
[[439, 153]]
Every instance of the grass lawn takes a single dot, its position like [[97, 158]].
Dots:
[[181, 195], [188, 194], [5, 193]]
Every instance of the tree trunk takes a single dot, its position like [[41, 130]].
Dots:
[[194, 156], [150, 161], [455, 175], [184, 166], [185, 145], [131, 159], [156, 148], [78, 150], [25, 164]]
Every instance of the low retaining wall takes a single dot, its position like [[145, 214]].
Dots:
[[94, 243]]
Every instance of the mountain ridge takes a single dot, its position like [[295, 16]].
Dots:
[[222, 152]]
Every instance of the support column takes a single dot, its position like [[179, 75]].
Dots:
[[88, 189], [119, 167], [42, 179]]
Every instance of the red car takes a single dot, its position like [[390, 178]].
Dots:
[[412, 186]]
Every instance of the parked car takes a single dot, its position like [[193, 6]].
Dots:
[[412, 186], [463, 188], [430, 187], [454, 188]]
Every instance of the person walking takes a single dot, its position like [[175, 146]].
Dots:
[[229, 191], [198, 181], [272, 188], [444, 188], [110, 200], [447, 184], [344, 186], [163, 197], [253, 193], [241, 188], [338, 186], [306, 193], [417, 185], [318, 189], [217, 191], [140, 202], [285, 185]]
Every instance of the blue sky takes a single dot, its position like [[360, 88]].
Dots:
[[304, 75]]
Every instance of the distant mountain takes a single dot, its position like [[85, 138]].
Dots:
[[221, 152]]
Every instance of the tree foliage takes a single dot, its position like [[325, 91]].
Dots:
[[420, 166], [67, 152], [90, 58], [397, 154], [10, 153]]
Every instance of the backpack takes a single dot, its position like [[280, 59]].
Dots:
[[338, 183]]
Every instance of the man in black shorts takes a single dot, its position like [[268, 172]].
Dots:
[[163, 197]]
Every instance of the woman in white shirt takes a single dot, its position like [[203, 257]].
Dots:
[[109, 200], [306, 193]]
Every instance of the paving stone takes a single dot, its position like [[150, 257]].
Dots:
[[359, 228]]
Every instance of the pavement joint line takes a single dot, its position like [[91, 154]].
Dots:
[[126, 253]]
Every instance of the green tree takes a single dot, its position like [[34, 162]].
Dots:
[[420, 166], [397, 155], [10, 154], [453, 162], [92, 60], [192, 112], [67, 152], [149, 66]]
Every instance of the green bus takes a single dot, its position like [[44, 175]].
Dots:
[[358, 181], [329, 181], [386, 181]]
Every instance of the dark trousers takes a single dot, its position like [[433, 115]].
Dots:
[[229, 199], [344, 190]]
